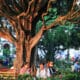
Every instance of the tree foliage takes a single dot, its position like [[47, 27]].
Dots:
[[61, 34]]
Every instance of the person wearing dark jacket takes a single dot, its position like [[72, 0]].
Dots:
[[51, 68]]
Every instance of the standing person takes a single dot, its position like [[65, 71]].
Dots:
[[42, 72], [25, 69], [51, 68], [76, 66]]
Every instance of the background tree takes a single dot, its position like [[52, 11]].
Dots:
[[23, 16], [60, 35], [54, 38]]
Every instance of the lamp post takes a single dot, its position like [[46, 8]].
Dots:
[[68, 43], [61, 49]]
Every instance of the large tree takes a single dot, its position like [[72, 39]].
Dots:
[[23, 16]]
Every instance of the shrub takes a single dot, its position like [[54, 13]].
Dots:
[[72, 76], [24, 77]]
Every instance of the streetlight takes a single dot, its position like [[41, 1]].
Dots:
[[61, 49], [68, 36]]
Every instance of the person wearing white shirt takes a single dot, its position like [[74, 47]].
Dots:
[[42, 72]]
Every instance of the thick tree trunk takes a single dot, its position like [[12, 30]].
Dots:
[[28, 53], [19, 57], [26, 42], [23, 53]]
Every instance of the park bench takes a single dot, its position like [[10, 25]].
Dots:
[[8, 73]]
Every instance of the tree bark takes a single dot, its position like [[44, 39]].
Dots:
[[19, 57], [28, 52]]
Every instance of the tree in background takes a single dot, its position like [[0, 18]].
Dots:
[[60, 35], [23, 16]]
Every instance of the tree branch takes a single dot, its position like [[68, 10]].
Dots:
[[28, 10], [38, 6], [48, 6], [4, 33], [16, 6], [59, 20], [12, 21], [75, 22], [22, 3], [44, 14], [7, 7], [73, 5], [62, 19], [75, 14], [37, 37]]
